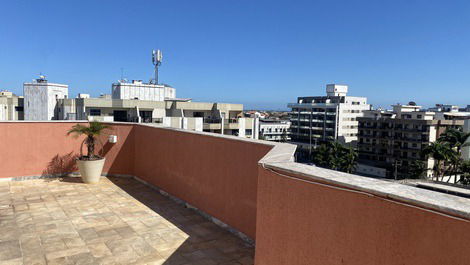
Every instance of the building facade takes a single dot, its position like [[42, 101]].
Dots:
[[11, 106], [219, 118], [326, 118], [390, 141], [274, 130], [142, 91], [40, 98]]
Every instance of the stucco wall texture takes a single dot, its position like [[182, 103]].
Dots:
[[43, 148], [215, 174], [302, 222], [293, 220]]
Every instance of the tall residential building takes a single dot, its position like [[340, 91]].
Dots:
[[142, 91], [390, 141], [326, 118], [11, 106], [40, 98]]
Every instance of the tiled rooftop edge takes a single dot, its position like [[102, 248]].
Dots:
[[430, 200]]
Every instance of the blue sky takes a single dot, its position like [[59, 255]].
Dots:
[[260, 53]]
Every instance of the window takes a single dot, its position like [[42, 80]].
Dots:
[[95, 112], [198, 114]]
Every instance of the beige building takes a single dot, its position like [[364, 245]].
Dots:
[[390, 141], [220, 118], [11, 106]]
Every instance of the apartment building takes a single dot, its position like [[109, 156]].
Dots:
[[142, 91], [40, 98], [466, 109], [326, 118], [390, 141], [444, 108], [274, 130], [222, 118], [11, 106]]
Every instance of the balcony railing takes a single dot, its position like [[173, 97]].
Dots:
[[212, 120], [231, 120]]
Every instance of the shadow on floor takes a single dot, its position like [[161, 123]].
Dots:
[[61, 165], [207, 243]]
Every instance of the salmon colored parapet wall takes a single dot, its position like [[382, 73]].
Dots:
[[217, 175], [295, 221], [301, 222], [43, 148]]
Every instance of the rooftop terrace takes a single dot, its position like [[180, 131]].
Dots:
[[118, 221], [220, 193]]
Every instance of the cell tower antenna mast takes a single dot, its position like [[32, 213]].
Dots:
[[157, 61]]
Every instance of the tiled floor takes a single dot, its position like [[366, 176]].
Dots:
[[119, 221]]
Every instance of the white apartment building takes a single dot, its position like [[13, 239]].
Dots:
[[40, 98], [327, 118], [444, 108], [142, 91], [274, 130]]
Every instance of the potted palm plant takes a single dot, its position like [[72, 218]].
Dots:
[[90, 165]]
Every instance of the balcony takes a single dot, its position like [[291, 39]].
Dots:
[[212, 123], [181, 197]]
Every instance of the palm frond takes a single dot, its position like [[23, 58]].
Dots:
[[91, 131]]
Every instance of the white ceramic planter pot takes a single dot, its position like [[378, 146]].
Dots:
[[91, 170]]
